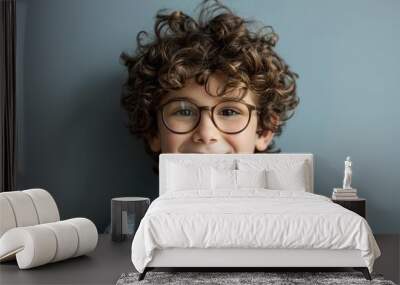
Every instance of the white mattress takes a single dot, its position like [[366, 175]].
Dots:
[[252, 218]]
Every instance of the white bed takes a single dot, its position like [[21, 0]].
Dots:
[[213, 224]]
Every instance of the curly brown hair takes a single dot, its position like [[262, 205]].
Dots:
[[220, 41]]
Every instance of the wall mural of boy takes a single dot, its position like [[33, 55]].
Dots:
[[208, 86]]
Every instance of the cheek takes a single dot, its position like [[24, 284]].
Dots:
[[170, 142], [243, 142]]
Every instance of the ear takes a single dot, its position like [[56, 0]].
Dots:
[[263, 140], [154, 143]]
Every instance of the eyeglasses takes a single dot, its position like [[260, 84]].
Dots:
[[181, 116]]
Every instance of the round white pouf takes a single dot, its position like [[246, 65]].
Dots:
[[67, 240], [45, 205], [7, 218], [87, 233], [33, 246], [23, 208], [45, 243]]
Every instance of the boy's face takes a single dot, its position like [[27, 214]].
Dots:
[[206, 137]]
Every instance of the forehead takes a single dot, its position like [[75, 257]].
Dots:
[[198, 94]]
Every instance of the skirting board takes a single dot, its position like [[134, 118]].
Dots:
[[234, 257]]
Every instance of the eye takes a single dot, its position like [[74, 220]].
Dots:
[[184, 113], [229, 112]]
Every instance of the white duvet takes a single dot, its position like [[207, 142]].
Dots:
[[251, 218]]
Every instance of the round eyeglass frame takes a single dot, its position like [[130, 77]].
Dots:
[[208, 108]]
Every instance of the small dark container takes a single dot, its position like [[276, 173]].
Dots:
[[126, 214]]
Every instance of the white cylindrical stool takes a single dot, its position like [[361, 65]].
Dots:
[[126, 214]]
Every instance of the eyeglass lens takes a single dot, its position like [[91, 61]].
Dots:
[[183, 116]]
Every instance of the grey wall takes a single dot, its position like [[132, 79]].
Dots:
[[72, 141]]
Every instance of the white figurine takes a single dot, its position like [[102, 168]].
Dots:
[[347, 174]]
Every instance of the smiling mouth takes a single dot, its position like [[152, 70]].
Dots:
[[197, 152]]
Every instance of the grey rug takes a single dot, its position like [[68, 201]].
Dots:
[[230, 278]]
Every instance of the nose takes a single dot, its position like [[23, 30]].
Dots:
[[206, 132]]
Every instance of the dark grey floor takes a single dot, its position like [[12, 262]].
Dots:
[[110, 260], [389, 262]]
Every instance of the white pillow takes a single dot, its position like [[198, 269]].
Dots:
[[293, 178], [282, 174], [235, 179], [251, 178], [223, 179], [181, 178]]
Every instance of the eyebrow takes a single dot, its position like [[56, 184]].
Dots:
[[184, 98], [197, 103]]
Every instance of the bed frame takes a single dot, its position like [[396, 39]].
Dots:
[[250, 259]]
